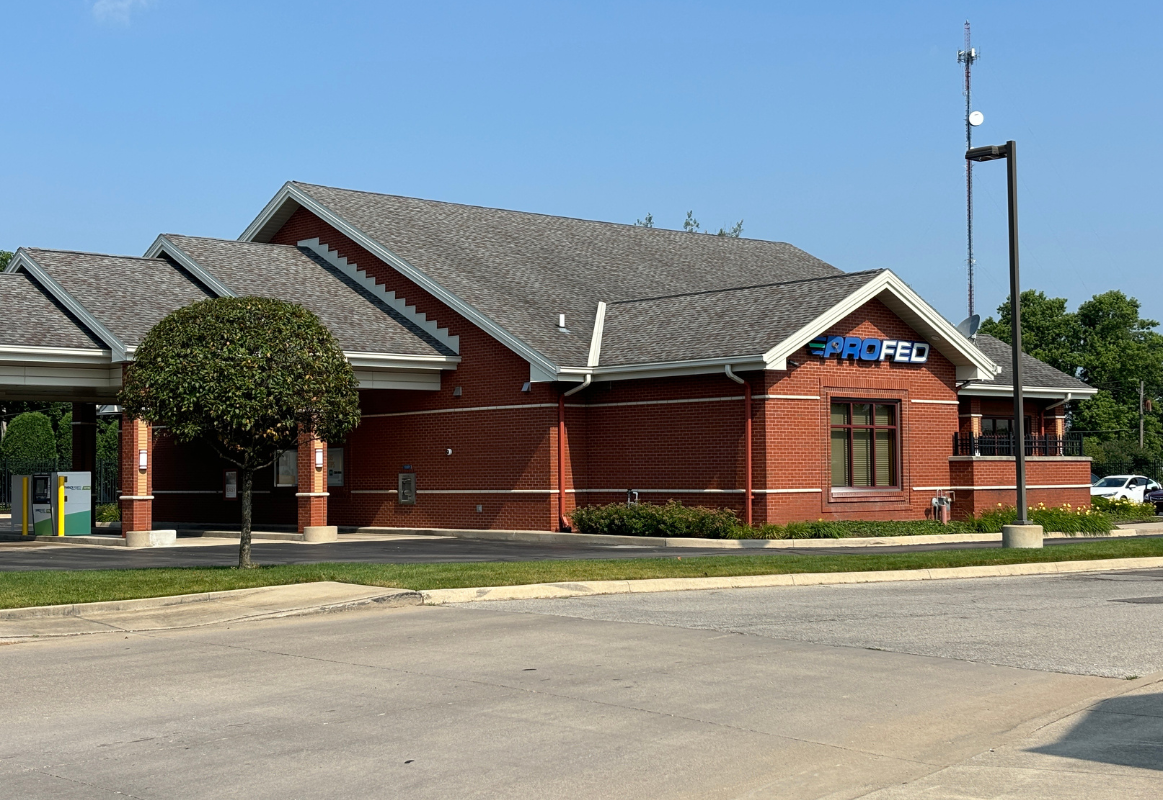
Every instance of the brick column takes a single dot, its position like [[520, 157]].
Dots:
[[312, 494], [136, 483]]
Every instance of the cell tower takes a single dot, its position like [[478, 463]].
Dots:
[[972, 119]]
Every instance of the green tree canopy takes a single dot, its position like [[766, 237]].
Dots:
[[1049, 332], [691, 225], [29, 442], [5, 257], [1105, 343], [249, 375]]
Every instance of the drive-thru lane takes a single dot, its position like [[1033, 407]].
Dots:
[[386, 549]]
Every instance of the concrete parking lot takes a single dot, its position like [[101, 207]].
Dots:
[[992, 688]]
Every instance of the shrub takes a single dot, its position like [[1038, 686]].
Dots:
[[108, 512], [29, 440], [64, 438], [675, 519], [645, 519], [1123, 508]]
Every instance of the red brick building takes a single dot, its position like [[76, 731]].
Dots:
[[513, 366]]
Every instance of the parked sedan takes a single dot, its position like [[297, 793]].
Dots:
[[1154, 496], [1119, 487]]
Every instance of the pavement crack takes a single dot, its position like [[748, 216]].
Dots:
[[78, 782]]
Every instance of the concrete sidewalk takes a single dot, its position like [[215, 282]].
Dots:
[[195, 610]]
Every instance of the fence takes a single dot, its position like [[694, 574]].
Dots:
[[1152, 469], [1003, 445], [104, 480]]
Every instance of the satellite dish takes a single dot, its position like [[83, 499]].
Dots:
[[976, 118], [969, 325]]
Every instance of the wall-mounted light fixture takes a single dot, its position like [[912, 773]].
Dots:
[[142, 459], [527, 386], [318, 458], [456, 392]]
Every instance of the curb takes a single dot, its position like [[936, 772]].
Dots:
[[542, 537], [388, 598], [541, 591]]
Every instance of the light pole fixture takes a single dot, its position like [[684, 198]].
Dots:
[[1008, 151]]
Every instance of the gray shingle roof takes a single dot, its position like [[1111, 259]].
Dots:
[[521, 270], [1034, 372], [32, 318], [746, 321], [127, 295], [359, 321]]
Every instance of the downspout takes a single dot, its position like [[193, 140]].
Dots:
[[562, 521], [747, 435]]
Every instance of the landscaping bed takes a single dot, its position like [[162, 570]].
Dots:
[[674, 519]]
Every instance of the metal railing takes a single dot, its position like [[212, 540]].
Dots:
[[1003, 445]]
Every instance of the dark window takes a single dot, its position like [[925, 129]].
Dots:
[[864, 444], [1000, 426]]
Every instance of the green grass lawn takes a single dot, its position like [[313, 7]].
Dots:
[[47, 587]]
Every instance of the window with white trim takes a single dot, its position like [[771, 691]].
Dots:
[[864, 444]]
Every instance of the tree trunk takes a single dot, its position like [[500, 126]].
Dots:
[[244, 540]]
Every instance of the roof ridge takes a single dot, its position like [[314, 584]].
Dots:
[[750, 286], [225, 241], [84, 253], [539, 214]]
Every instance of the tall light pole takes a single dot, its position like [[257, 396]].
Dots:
[[1025, 536]]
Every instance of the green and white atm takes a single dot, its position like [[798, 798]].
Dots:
[[52, 504]]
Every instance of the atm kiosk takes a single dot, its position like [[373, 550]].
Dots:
[[52, 504]]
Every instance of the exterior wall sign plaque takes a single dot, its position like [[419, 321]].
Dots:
[[856, 348]]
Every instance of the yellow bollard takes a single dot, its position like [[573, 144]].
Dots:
[[24, 507], [61, 505]]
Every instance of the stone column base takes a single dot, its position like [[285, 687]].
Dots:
[[1028, 536], [150, 538], [315, 534]]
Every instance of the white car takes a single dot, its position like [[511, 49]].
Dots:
[[1118, 487]]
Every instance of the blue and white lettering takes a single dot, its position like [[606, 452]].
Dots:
[[870, 350], [904, 351], [920, 353], [851, 346]]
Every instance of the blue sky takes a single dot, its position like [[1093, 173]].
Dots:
[[833, 126]]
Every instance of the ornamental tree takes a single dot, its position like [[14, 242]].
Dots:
[[251, 376], [28, 442]]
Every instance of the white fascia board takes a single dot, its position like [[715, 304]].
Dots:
[[164, 245], [23, 260], [290, 192], [1032, 392], [904, 302], [78, 356], [389, 361]]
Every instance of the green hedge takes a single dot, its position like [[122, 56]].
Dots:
[[675, 519], [644, 519]]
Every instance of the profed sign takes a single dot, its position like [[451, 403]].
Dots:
[[870, 349]]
